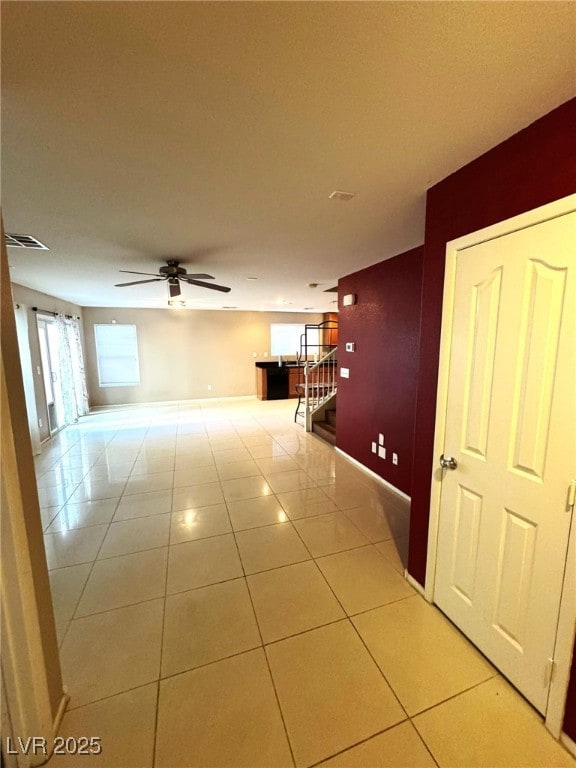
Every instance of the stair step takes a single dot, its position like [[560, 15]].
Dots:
[[325, 430], [330, 416]]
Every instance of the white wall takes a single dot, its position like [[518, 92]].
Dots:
[[182, 352]]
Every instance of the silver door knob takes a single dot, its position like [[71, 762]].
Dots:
[[448, 462]]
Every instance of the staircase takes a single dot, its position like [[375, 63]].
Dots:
[[326, 429], [317, 386]]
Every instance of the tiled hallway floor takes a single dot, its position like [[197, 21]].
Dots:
[[228, 592]]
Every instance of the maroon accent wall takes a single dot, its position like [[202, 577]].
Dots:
[[532, 168], [570, 712], [380, 395]]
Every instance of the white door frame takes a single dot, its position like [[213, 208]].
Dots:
[[567, 617]]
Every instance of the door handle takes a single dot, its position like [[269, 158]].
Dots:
[[448, 462]]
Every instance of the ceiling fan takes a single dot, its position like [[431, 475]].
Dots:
[[174, 274]]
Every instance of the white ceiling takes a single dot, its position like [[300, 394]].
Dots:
[[214, 132]]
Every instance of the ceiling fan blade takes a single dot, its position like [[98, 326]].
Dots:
[[130, 272], [196, 277], [213, 286], [139, 282], [174, 288]]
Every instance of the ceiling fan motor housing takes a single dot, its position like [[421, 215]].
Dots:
[[172, 270]]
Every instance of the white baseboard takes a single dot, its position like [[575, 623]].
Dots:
[[569, 743], [373, 474], [413, 583], [152, 403], [61, 709]]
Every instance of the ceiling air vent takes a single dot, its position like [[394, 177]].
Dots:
[[24, 241], [338, 194]]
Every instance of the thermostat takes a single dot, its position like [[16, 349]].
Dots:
[[350, 346]]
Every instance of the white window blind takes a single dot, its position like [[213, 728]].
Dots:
[[285, 339], [117, 355]]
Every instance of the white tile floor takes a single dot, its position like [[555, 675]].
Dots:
[[228, 592]]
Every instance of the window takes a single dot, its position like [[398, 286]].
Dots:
[[117, 355], [285, 339]]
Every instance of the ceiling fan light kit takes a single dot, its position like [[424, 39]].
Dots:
[[174, 275]]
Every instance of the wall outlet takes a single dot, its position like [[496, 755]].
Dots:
[[38, 370], [345, 373], [40, 423], [374, 448], [209, 387], [254, 354], [381, 452], [380, 439], [395, 459], [265, 354]]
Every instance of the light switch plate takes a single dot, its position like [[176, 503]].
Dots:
[[374, 448], [381, 452], [345, 373], [380, 439]]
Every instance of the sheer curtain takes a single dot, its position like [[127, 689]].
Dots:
[[71, 364]]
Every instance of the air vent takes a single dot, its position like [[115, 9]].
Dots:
[[338, 194], [331, 290], [24, 241]]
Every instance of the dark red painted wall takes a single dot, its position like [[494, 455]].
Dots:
[[532, 168], [570, 715], [380, 395]]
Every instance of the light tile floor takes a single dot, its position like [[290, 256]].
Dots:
[[228, 591]]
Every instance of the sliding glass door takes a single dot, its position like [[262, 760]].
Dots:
[[50, 356]]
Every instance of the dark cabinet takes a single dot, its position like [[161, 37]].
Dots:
[[276, 382]]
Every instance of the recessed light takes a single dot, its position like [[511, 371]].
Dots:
[[251, 278]]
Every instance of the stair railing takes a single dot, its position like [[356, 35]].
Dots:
[[318, 381], [320, 385]]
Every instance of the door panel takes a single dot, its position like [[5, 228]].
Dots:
[[511, 426], [485, 301]]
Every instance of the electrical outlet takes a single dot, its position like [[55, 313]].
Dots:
[[209, 387], [38, 370], [254, 354], [381, 452], [380, 439], [395, 459], [40, 423], [374, 448], [265, 354]]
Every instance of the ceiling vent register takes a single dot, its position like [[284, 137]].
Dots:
[[339, 194], [24, 241]]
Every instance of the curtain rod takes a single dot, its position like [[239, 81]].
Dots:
[[55, 314]]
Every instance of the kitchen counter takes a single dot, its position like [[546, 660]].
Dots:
[[277, 382]]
